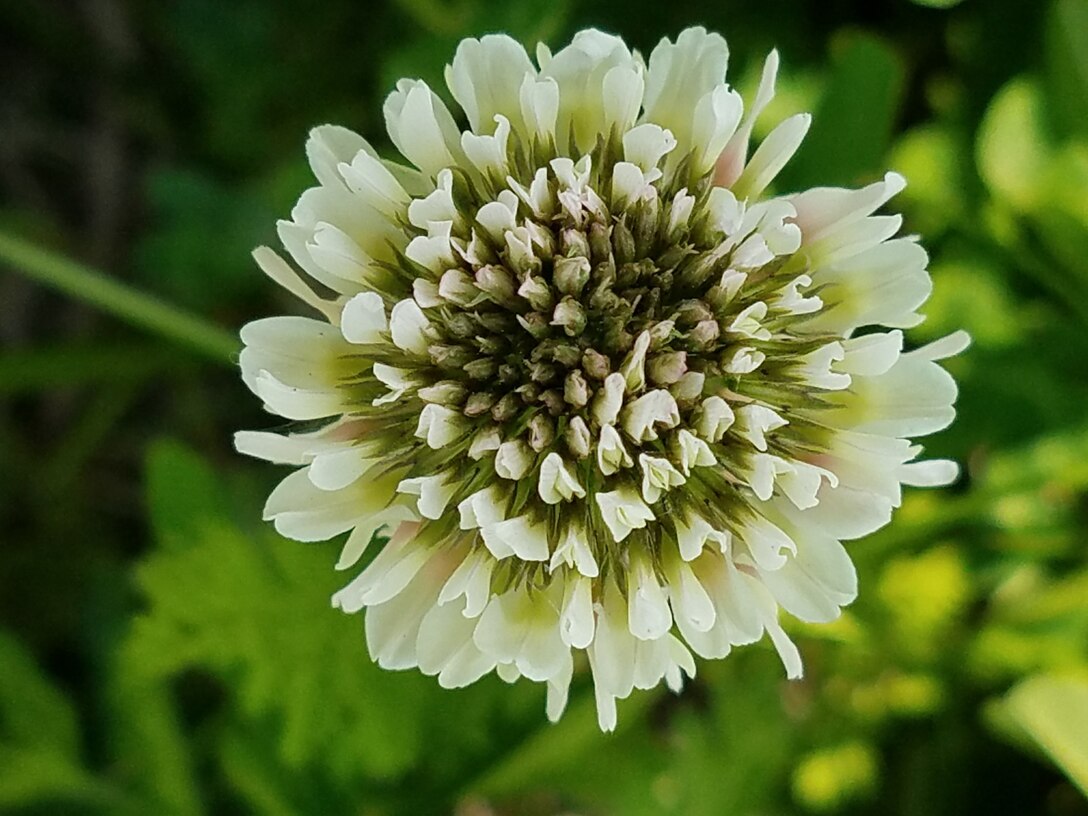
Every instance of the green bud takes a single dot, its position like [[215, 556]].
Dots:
[[596, 365], [479, 404], [576, 389], [667, 368], [578, 438], [574, 243], [541, 432], [571, 315], [571, 274], [537, 292], [482, 369], [506, 408]]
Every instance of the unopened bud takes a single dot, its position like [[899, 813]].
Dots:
[[443, 392], [576, 389], [571, 315], [536, 324], [457, 287], [498, 284], [578, 438], [542, 372], [600, 242], [541, 432], [667, 368], [647, 214], [479, 404], [573, 242], [571, 274], [566, 353], [506, 408], [461, 326], [496, 322], [543, 240], [691, 311], [660, 333], [596, 365], [491, 344], [623, 242], [520, 253], [704, 334], [529, 392], [450, 357], [482, 369], [553, 401], [537, 292], [633, 366]]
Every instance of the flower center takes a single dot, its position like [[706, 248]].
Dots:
[[596, 334]]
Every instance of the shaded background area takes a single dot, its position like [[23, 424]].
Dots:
[[162, 651]]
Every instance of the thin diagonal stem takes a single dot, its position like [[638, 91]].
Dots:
[[134, 307]]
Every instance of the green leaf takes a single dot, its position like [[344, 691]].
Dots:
[[1066, 48], [932, 161], [176, 257], [852, 125], [255, 610], [183, 493], [33, 712], [39, 743], [41, 776], [1053, 712], [1013, 150], [150, 752]]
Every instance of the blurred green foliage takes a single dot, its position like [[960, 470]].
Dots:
[[162, 651]]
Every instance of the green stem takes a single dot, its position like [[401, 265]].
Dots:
[[137, 308]]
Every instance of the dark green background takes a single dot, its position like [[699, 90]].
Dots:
[[163, 652]]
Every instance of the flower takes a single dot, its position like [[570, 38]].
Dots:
[[602, 392]]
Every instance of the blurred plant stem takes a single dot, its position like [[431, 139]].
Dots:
[[116, 298]]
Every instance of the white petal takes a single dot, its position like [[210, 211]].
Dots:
[[439, 425], [648, 614], [434, 493], [692, 534], [406, 324], [652, 408], [328, 146], [296, 403], [713, 418], [421, 127], [754, 422], [482, 508], [623, 511], [771, 156], [363, 318], [609, 399], [486, 77], [555, 481], [611, 454], [931, 473], [513, 459], [576, 620], [517, 536], [658, 476]]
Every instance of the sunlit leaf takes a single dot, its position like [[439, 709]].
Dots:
[[1053, 712], [1013, 147], [1067, 65], [852, 125]]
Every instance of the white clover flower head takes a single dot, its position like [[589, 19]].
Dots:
[[602, 392]]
